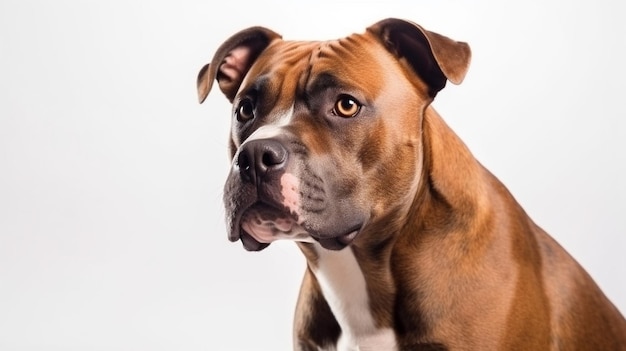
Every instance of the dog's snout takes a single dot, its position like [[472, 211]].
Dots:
[[258, 159]]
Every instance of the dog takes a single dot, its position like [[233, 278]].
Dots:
[[410, 243]]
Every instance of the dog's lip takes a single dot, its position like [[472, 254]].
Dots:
[[348, 238], [339, 242], [249, 242]]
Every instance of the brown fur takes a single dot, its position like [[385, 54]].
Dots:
[[451, 261]]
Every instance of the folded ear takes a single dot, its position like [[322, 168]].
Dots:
[[434, 57], [232, 61]]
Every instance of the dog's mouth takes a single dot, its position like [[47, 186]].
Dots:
[[261, 224]]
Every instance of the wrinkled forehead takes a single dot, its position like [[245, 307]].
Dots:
[[356, 63], [287, 68]]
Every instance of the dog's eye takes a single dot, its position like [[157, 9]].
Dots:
[[346, 106], [245, 111]]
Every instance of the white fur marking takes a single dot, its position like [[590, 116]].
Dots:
[[344, 288], [268, 131]]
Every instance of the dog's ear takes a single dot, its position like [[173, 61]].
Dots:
[[232, 60], [434, 57]]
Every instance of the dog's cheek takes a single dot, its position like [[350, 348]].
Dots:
[[394, 180], [371, 152]]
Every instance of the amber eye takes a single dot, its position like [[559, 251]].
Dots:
[[346, 106], [245, 111]]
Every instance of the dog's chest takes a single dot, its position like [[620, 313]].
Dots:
[[344, 287]]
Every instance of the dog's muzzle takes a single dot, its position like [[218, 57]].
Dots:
[[263, 200]]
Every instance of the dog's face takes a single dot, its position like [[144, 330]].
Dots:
[[326, 136]]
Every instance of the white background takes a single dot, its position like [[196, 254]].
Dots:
[[111, 223]]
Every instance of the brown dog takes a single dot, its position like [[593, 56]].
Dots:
[[410, 243]]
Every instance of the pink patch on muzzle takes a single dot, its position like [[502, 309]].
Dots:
[[290, 189]]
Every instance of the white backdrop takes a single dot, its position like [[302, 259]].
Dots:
[[111, 223]]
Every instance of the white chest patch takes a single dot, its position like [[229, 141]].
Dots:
[[344, 287]]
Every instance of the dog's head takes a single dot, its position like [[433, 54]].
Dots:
[[326, 136]]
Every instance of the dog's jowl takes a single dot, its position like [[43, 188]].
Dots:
[[410, 243]]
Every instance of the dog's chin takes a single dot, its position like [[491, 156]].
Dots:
[[334, 244], [262, 224]]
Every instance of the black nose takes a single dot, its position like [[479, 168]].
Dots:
[[259, 159]]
